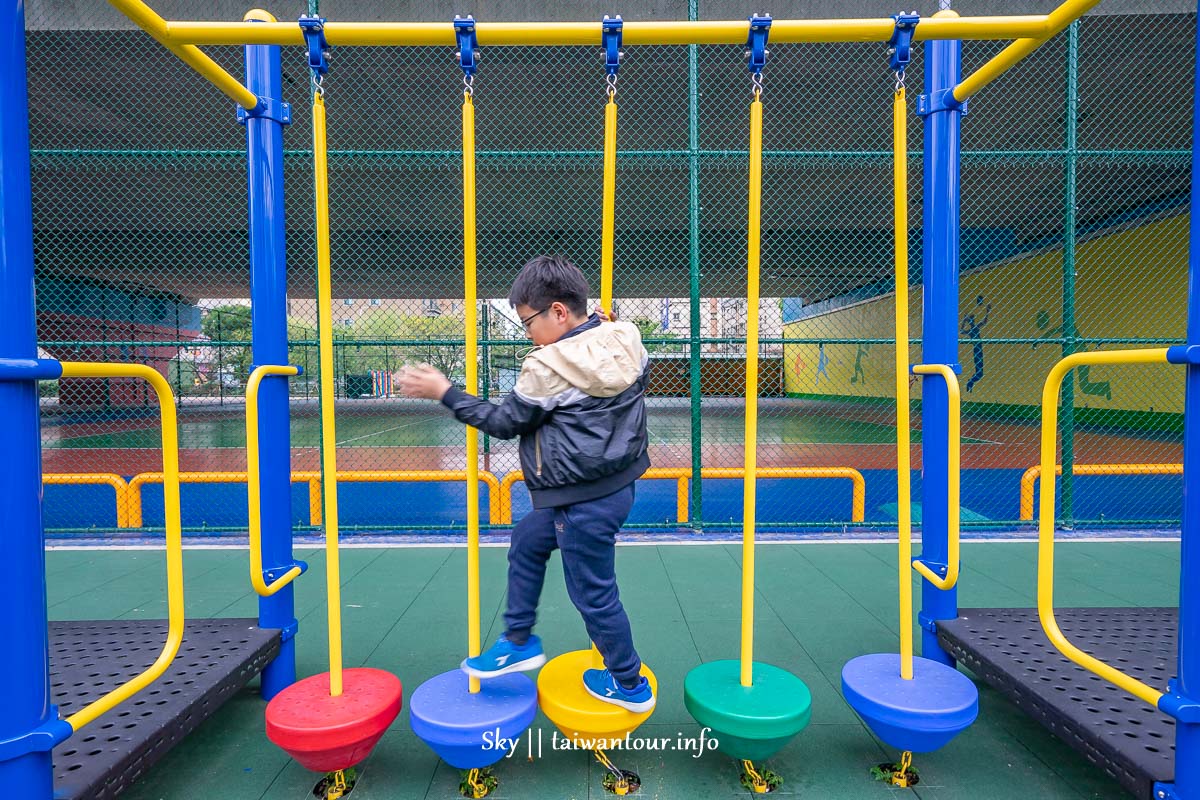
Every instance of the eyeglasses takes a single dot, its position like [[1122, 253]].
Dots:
[[532, 317]]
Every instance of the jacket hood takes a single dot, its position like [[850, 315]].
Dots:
[[600, 362]]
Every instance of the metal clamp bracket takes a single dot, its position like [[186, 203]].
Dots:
[[313, 28], [937, 567], [610, 35], [30, 369], [1184, 709], [464, 32], [756, 43], [927, 622], [1165, 791], [267, 108], [41, 739], [941, 100], [1184, 354], [900, 45], [288, 632], [275, 573]]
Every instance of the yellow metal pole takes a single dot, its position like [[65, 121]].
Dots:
[[753, 253], [253, 493], [499, 34], [953, 488], [174, 534], [146, 19], [333, 580], [1045, 572], [1058, 19], [472, 336], [903, 424], [608, 224]]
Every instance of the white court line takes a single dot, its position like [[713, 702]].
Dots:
[[459, 545], [389, 430]]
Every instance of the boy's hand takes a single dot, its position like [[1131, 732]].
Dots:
[[606, 315], [423, 381]]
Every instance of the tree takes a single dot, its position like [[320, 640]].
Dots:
[[229, 323], [650, 329]]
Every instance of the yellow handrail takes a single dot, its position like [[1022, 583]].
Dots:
[[100, 478], [1033, 473], [313, 479], [253, 493], [684, 474], [903, 437], [174, 535], [1049, 448], [1058, 19], [149, 21], [496, 34], [955, 475]]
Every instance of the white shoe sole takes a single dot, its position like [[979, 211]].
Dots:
[[519, 666], [636, 708]]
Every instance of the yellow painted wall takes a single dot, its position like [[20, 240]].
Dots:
[[1129, 283]]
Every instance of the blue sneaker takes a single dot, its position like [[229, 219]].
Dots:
[[601, 685], [504, 657]]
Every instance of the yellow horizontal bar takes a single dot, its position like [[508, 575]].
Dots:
[[174, 537], [146, 19], [98, 478], [1058, 19], [684, 474], [955, 474], [1045, 576], [1030, 478], [253, 493], [494, 34], [313, 479]]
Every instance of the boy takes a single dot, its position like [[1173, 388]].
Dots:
[[578, 407]]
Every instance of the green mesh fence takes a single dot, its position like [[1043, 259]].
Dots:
[[1074, 194]]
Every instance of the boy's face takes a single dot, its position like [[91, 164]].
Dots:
[[549, 325]]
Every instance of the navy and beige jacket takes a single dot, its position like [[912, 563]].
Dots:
[[579, 410]]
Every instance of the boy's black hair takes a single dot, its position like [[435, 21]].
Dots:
[[550, 279]]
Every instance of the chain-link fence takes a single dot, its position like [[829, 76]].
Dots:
[[1074, 185]]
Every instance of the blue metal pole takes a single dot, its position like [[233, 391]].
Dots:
[[25, 667], [943, 118], [268, 298], [1187, 685]]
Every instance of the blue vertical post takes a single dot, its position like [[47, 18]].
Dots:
[[268, 298], [939, 337], [1187, 685], [24, 670]]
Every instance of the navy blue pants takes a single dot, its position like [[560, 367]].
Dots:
[[586, 533]]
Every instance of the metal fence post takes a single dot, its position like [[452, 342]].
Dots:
[[1069, 332], [25, 682], [696, 515], [939, 336], [268, 298]]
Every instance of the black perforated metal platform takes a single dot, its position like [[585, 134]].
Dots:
[[1122, 735], [87, 659]]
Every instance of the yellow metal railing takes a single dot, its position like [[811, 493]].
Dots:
[[174, 535], [494, 34], [681, 475], [97, 478], [313, 479], [1030, 478], [253, 492], [955, 475], [1049, 452]]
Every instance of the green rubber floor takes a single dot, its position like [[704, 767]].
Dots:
[[818, 605]]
